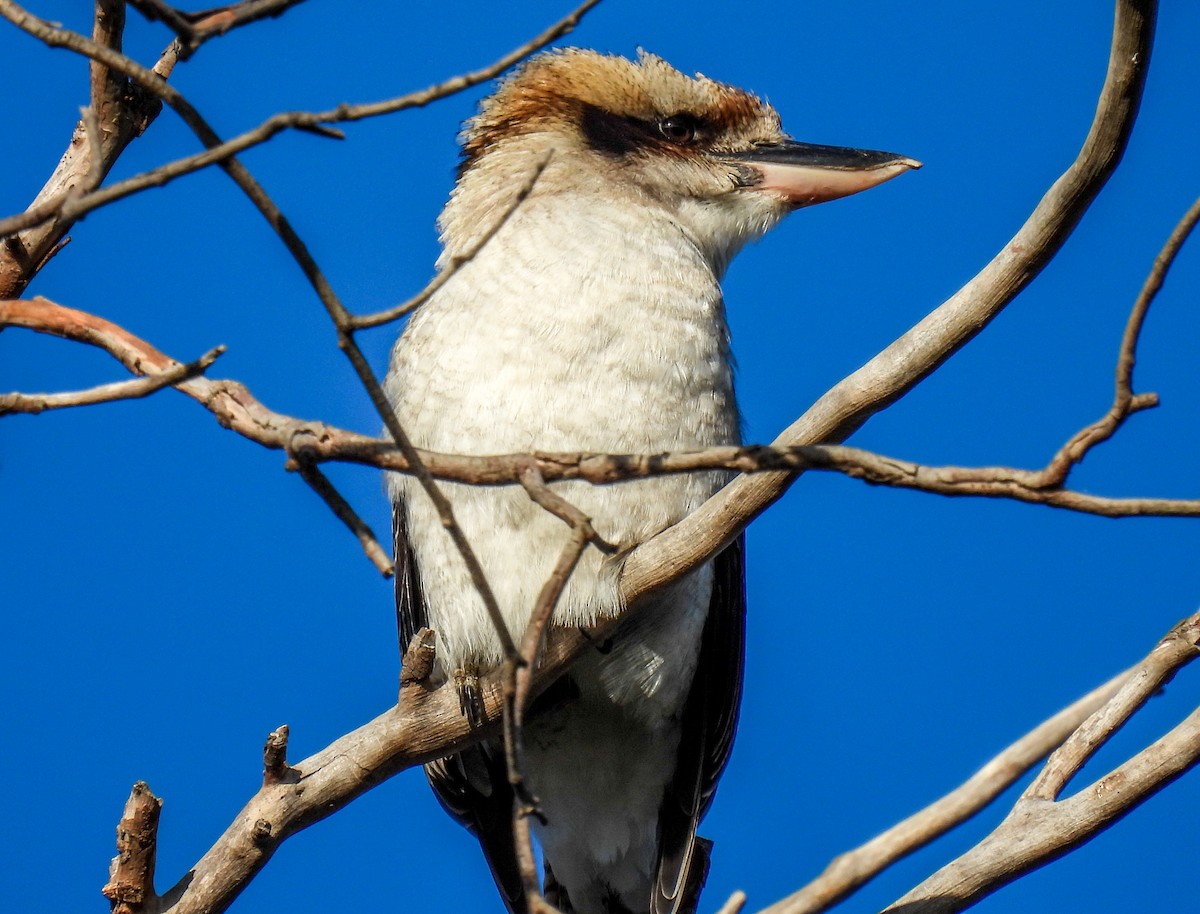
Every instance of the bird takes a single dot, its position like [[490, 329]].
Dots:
[[598, 202]]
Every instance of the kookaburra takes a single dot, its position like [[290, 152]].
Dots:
[[592, 320]]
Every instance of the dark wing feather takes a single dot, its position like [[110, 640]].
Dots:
[[410, 602], [709, 721], [472, 786]]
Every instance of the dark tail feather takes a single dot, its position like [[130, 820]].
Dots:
[[697, 875]]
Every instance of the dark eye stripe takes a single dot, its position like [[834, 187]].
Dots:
[[617, 135]]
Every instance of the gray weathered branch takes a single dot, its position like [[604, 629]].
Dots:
[[1040, 827]]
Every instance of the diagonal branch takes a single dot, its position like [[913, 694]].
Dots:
[[853, 869], [1178, 648], [458, 261], [1040, 829], [319, 483]]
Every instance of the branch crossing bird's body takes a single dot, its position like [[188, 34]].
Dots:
[[592, 320]]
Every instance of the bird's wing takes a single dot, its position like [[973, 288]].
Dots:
[[410, 602], [472, 786], [709, 720]]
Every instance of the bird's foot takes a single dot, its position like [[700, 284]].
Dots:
[[470, 699]]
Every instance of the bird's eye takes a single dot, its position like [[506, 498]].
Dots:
[[679, 128]]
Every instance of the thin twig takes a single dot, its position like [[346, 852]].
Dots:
[[107, 393], [194, 29], [320, 484], [1125, 402], [365, 321], [983, 482], [534, 482], [156, 10], [518, 684]]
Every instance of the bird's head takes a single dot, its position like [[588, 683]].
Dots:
[[712, 156]]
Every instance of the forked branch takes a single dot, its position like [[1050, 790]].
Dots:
[[1040, 827]]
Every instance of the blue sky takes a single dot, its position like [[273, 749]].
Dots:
[[171, 595]]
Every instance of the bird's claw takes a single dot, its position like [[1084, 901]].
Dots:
[[470, 699]]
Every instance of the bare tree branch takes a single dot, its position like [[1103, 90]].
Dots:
[[365, 321], [519, 674], [106, 393], [121, 111], [193, 29], [315, 442], [130, 888], [1039, 828], [853, 869], [1125, 402], [177, 21], [988, 482], [1176, 649]]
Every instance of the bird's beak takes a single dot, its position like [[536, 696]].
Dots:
[[805, 174]]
